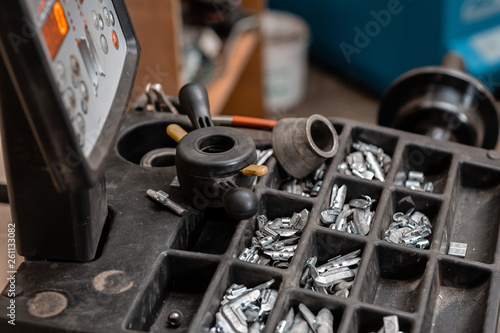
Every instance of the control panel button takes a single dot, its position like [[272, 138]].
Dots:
[[104, 44], [70, 94], [85, 107], [79, 127], [69, 99], [75, 65], [101, 22], [84, 91], [74, 80], [60, 74], [116, 43], [107, 19], [95, 19], [112, 18]]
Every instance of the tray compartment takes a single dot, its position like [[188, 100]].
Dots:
[[434, 163], [394, 278], [424, 203], [355, 189], [211, 234], [274, 176], [474, 214], [278, 176], [278, 204], [273, 204], [178, 282], [380, 139], [293, 297], [328, 244], [239, 273], [458, 298], [367, 320]]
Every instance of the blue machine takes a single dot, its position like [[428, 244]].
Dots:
[[375, 41]]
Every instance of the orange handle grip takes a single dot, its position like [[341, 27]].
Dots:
[[176, 132], [253, 122]]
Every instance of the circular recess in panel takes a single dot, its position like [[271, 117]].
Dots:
[[161, 157], [104, 44], [47, 304], [140, 140]]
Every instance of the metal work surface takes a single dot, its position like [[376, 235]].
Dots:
[[152, 262]]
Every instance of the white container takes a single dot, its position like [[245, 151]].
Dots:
[[286, 40]]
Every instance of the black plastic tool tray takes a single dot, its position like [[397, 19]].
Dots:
[[159, 262]]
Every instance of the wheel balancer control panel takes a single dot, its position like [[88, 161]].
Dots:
[[67, 69], [84, 44]]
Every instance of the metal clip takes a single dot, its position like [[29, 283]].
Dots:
[[374, 166], [279, 256], [162, 198]]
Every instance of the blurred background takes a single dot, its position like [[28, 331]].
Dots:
[[269, 58]]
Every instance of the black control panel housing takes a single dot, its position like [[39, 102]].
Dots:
[[67, 70]]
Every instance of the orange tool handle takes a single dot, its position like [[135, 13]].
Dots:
[[253, 122]]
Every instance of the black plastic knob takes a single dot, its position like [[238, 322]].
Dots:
[[240, 203], [193, 98]]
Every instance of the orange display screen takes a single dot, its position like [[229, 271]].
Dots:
[[55, 29]]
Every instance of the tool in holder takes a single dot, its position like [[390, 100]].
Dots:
[[66, 71], [214, 164], [443, 102]]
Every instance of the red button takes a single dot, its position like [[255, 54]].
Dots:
[[114, 37]]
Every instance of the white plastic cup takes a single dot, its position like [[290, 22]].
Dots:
[[286, 40]]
